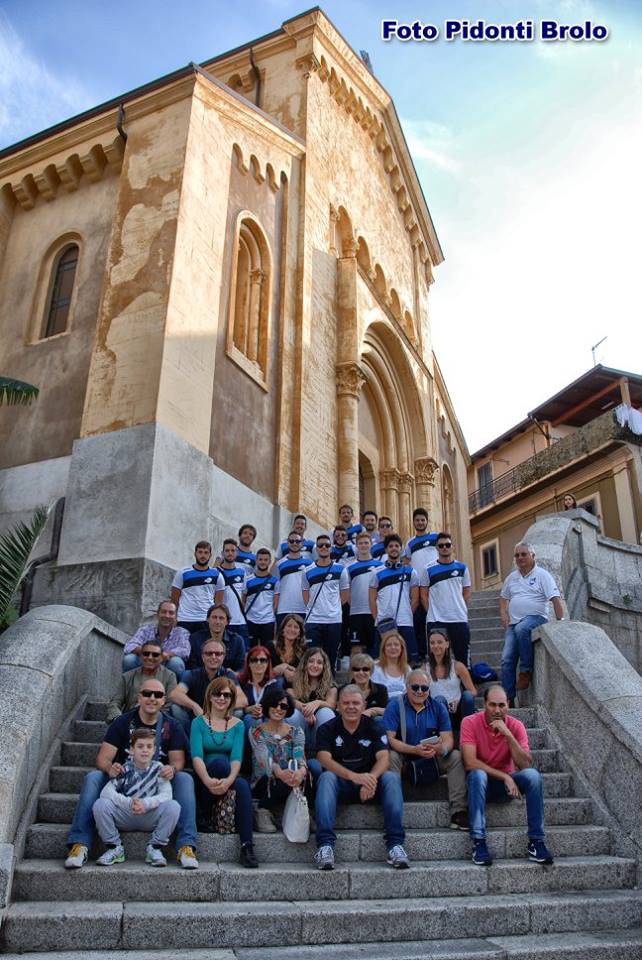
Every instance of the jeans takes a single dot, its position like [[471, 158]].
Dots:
[[518, 646], [219, 769], [131, 661], [482, 788], [331, 789], [327, 636], [83, 825], [322, 716]]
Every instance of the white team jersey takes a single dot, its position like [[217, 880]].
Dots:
[[234, 589], [325, 585], [290, 589], [446, 582], [197, 592], [393, 585], [359, 573]]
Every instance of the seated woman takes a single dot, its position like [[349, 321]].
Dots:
[[216, 745], [391, 669], [447, 677], [274, 744], [314, 692], [287, 650], [375, 694], [255, 678]]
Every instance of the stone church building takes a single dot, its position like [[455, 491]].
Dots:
[[220, 283]]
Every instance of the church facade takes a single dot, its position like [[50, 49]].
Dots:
[[220, 283]]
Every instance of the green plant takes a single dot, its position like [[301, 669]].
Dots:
[[16, 545], [14, 392]]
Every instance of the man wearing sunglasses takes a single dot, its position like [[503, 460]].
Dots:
[[189, 695], [307, 546], [384, 528], [445, 589], [112, 754], [422, 736], [125, 696], [289, 572]]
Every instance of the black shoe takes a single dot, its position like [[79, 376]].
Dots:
[[248, 857]]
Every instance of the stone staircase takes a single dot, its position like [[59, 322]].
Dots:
[[486, 631], [584, 906]]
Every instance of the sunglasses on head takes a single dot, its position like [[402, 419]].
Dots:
[[419, 687], [258, 660], [226, 695], [155, 694]]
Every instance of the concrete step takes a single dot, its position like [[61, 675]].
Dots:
[[89, 731], [484, 622], [84, 925], [478, 650], [46, 879], [479, 634], [48, 841], [96, 710], [59, 808]]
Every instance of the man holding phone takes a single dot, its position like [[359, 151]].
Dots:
[[419, 731]]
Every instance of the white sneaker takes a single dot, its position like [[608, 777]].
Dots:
[[398, 858], [324, 858], [154, 856], [112, 855], [77, 857]]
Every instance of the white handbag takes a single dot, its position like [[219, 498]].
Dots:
[[296, 816]]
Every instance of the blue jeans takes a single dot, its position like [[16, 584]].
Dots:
[[331, 789], [131, 661], [518, 646], [323, 715], [327, 636], [83, 826], [482, 788]]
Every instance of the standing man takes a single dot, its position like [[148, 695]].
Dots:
[[233, 574], [444, 591], [325, 587], [174, 640], [289, 571], [420, 552], [343, 550], [307, 546], [244, 555], [353, 751], [369, 521], [346, 520], [196, 588], [259, 598], [523, 605], [363, 636], [384, 528], [394, 595], [499, 769]]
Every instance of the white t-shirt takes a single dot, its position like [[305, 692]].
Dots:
[[259, 598], [325, 585], [234, 588], [393, 586], [197, 592], [528, 596], [421, 551], [446, 582], [290, 590], [359, 573]]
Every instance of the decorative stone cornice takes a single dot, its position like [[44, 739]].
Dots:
[[309, 64], [425, 470], [390, 478], [262, 171], [350, 379]]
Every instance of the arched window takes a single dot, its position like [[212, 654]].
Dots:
[[250, 300], [61, 291]]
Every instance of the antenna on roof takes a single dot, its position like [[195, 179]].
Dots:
[[594, 348], [365, 56]]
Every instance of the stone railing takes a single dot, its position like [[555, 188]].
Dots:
[[50, 661]]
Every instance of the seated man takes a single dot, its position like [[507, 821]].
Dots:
[[499, 768], [112, 754], [353, 750], [218, 619], [410, 721], [190, 692], [174, 640], [125, 696]]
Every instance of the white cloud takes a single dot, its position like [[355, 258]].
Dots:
[[31, 96], [432, 142]]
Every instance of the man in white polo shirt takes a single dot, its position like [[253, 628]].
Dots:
[[325, 587], [523, 605]]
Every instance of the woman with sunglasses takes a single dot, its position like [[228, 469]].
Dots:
[[447, 677], [314, 692], [216, 745], [375, 694], [274, 744], [391, 669], [288, 648], [254, 679]]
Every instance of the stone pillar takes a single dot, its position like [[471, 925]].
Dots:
[[389, 481], [425, 472], [350, 379], [405, 486]]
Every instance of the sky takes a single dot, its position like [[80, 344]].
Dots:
[[529, 155]]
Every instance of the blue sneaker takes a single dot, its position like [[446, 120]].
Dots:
[[538, 853], [481, 853]]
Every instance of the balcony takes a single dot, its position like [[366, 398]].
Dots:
[[582, 442]]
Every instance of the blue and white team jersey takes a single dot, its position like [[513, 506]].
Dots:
[[234, 587], [247, 559], [308, 549], [446, 582], [359, 574], [343, 555], [390, 583], [197, 591], [290, 588], [325, 585], [421, 551], [378, 551], [259, 598]]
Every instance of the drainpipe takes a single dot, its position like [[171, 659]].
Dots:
[[119, 123], [257, 77], [27, 583]]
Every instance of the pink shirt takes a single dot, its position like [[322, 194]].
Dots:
[[492, 748]]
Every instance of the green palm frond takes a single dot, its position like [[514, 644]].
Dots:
[[15, 391], [15, 547]]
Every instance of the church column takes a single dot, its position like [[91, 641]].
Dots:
[[389, 480], [405, 486], [425, 471], [350, 379]]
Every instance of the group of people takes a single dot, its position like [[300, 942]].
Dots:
[[237, 679]]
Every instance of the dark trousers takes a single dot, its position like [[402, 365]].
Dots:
[[419, 620], [260, 633], [193, 626], [345, 629], [362, 631], [327, 636]]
